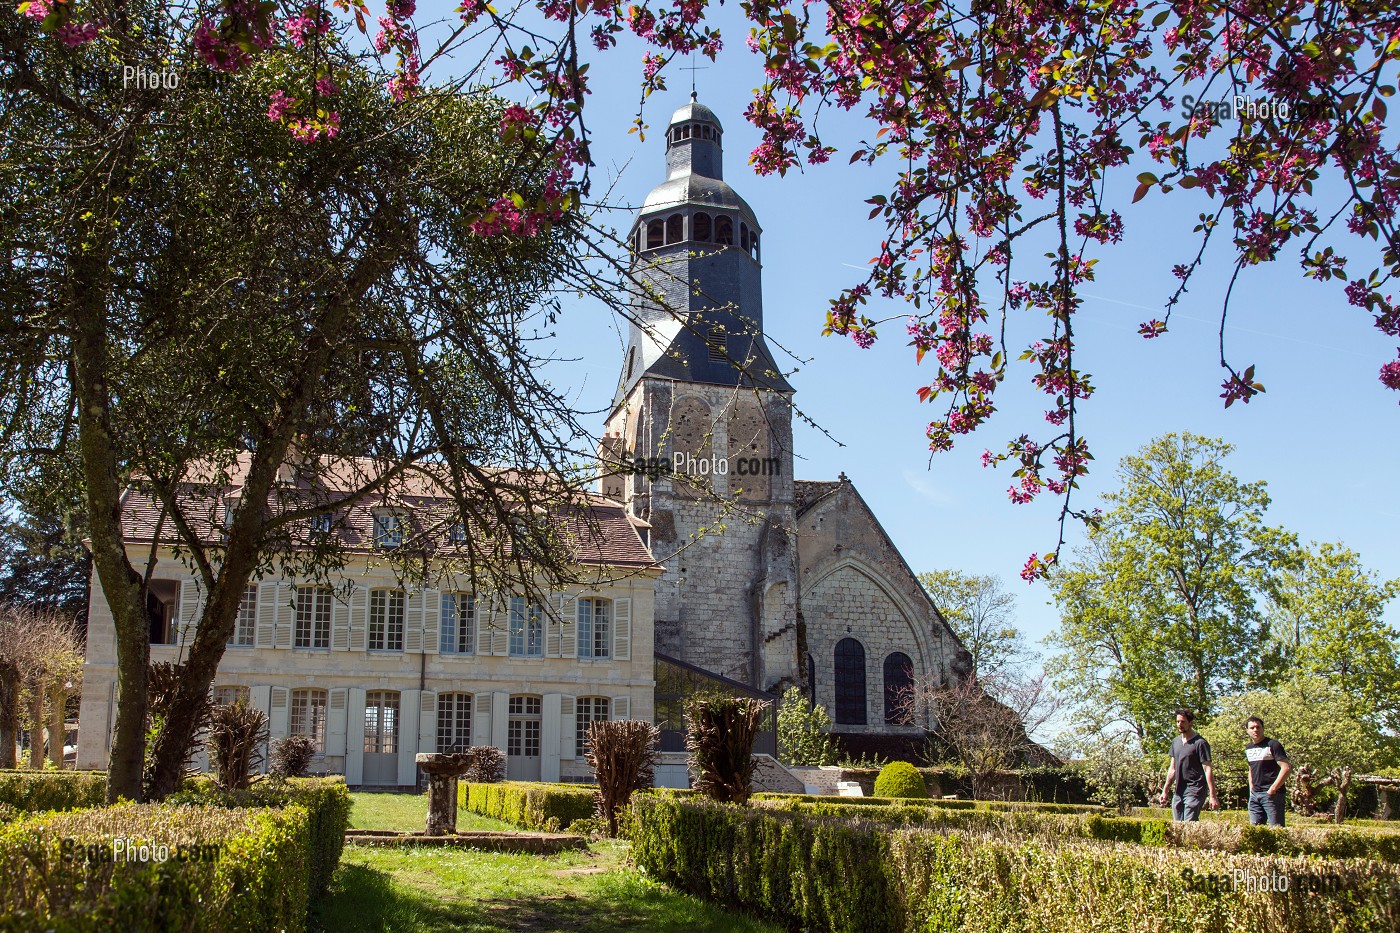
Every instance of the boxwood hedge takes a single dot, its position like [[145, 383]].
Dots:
[[844, 875], [224, 869], [36, 791], [537, 806]]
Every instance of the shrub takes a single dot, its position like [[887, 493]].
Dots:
[[803, 731], [543, 807], [487, 764], [291, 755], [33, 791], [326, 800], [623, 756], [720, 737], [900, 779], [227, 870], [850, 877], [236, 734]]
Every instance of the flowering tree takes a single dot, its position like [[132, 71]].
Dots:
[[1006, 123]]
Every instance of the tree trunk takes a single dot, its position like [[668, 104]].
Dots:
[[9, 714], [58, 705], [36, 726]]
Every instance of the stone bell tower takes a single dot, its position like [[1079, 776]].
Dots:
[[699, 440]]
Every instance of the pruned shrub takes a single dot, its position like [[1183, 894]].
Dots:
[[900, 779], [543, 807], [487, 765], [223, 870], [237, 732], [33, 791], [720, 737], [291, 755], [623, 757]]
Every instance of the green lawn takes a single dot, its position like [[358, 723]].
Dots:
[[442, 890], [409, 812]]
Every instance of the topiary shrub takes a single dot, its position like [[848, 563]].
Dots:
[[486, 765], [900, 779], [291, 756], [236, 734], [720, 733], [623, 757]]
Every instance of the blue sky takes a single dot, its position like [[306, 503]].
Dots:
[[1326, 436]]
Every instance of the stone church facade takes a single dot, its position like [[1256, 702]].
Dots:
[[769, 580]]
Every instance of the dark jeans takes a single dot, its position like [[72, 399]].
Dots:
[[1186, 804], [1266, 806]]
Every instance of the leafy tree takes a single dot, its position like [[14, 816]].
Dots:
[[1318, 724], [804, 731], [1327, 620], [1117, 773], [197, 301], [1163, 607], [981, 613], [42, 562]]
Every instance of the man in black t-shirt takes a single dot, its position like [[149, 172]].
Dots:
[[1191, 770], [1268, 769]]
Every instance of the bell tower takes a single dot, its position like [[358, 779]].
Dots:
[[699, 440]]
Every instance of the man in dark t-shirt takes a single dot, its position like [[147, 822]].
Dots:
[[1191, 770], [1268, 769]]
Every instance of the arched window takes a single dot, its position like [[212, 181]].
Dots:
[[706, 132], [744, 237], [675, 229], [656, 234], [724, 231], [850, 682], [811, 678], [899, 690], [753, 246], [702, 228]]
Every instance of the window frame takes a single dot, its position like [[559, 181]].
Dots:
[[312, 626], [247, 613], [381, 627], [589, 636], [456, 707], [388, 531], [377, 701], [595, 705], [452, 637], [845, 688], [305, 700], [525, 628]]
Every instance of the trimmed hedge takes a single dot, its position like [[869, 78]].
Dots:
[[1225, 837], [852, 877], [1014, 806], [901, 779], [550, 808], [227, 870], [326, 800], [37, 791]]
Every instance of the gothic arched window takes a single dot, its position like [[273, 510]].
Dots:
[[702, 228], [850, 682], [675, 229], [724, 231], [899, 690]]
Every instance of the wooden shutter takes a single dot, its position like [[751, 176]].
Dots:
[[336, 721], [568, 624], [427, 721], [621, 708], [408, 738], [568, 727], [340, 624], [495, 627], [286, 613], [191, 608], [260, 698], [355, 738], [359, 617], [413, 620], [277, 719], [481, 719], [432, 615], [622, 629], [266, 626]]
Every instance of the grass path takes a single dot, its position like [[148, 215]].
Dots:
[[441, 890]]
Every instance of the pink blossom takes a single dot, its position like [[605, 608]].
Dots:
[[37, 9], [326, 86], [279, 103], [76, 34], [1390, 375]]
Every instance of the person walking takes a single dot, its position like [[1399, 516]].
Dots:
[[1190, 770], [1268, 769]]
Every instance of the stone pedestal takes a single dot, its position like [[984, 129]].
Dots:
[[442, 770]]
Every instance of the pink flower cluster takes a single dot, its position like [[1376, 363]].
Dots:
[[1390, 374], [76, 34], [302, 27], [279, 104]]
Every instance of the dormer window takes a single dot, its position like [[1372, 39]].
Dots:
[[457, 534], [388, 530], [321, 524]]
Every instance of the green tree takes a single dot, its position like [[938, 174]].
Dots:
[[1327, 620], [43, 562], [1317, 722], [981, 613], [195, 299], [1162, 608], [803, 731]]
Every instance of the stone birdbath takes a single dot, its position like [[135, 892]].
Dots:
[[443, 770]]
